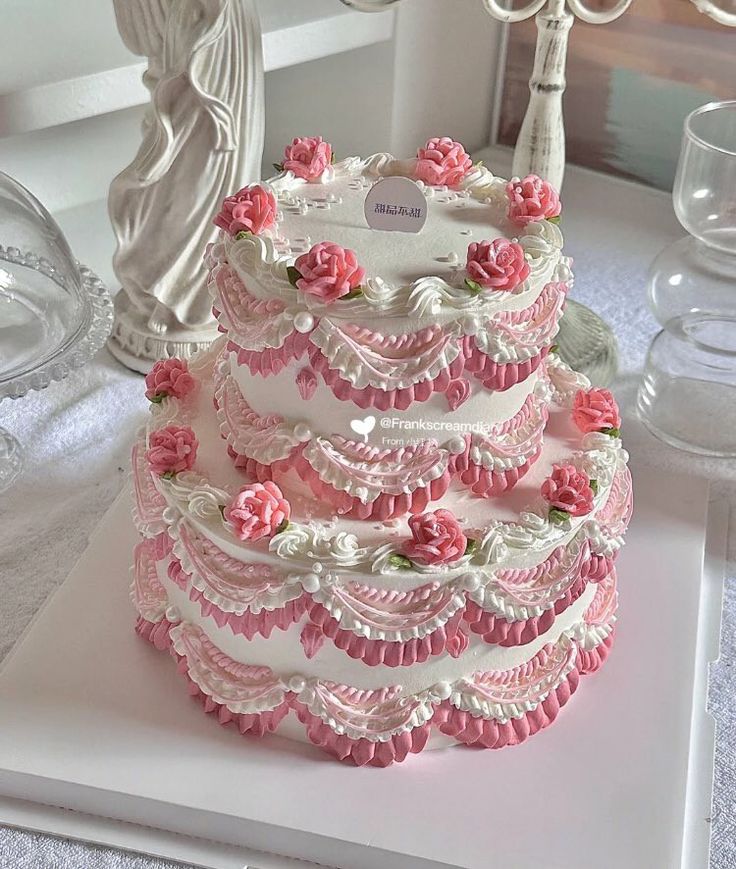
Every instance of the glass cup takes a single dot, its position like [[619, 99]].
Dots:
[[688, 393]]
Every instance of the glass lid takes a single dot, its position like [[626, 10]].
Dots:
[[53, 313]]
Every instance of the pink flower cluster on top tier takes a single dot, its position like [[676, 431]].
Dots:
[[497, 265], [442, 161], [258, 510], [328, 272], [171, 450], [252, 209], [307, 157], [532, 199], [596, 410], [169, 377], [437, 538], [568, 490]]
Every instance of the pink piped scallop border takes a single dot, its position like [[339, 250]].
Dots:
[[274, 359], [249, 624], [371, 396], [537, 322], [449, 637], [464, 727], [496, 629], [482, 481], [384, 507]]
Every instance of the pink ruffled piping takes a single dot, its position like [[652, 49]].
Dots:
[[390, 654], [384, 507], [371, 396], [495, 629], [498, 376], [249, 624], [483, 482], [464, 727]]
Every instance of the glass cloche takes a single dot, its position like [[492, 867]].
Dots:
[[54, 313]]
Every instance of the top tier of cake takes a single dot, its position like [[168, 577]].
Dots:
[[326, 316], [410, 280]]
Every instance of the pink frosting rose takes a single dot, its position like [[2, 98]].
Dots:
[[169, 377], [531, 199], [497, 265], [307, 157], [258, 510], [436, 538], [569, 490], [595, 410], [328, 271], [252, 209], [442, 161], [171, 450]]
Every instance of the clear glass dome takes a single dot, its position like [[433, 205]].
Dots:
[[54, 313], [45, 310]]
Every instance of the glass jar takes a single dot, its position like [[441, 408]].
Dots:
[[688, 393]]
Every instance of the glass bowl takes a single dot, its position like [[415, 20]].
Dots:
[[55, 314]]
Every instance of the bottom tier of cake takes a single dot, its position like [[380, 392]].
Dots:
[[379, 715]]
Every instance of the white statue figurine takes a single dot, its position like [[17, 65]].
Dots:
[[202, 140]]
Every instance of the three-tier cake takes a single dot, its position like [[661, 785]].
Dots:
[[380, 513]]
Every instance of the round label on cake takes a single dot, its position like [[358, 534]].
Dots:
[[395, 205]]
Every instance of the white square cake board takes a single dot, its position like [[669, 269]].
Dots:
[[94, 720]]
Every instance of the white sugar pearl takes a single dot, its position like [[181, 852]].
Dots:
[[471, 582], [297, 684], [302, 432], [456, 445], [442, 690], [310, 582], [303, 321], [471, 325], [173, 615]]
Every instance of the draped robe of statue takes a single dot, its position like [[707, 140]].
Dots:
[[202, 140]]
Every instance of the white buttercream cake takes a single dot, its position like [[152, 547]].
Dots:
[[380, 514]]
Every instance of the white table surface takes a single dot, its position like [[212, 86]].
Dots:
[[77, 436]]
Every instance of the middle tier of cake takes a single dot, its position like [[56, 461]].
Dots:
[[344, 579]]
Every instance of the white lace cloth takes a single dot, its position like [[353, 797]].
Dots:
[[77, 436]]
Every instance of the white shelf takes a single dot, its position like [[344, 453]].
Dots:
[[73, 77]]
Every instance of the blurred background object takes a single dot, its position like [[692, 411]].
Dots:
[[629, 85], [688, 392], [55, 314]]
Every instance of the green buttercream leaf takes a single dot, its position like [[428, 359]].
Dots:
[[555, 219], [282, 527], [594, 486], [555, 348], [332, 157], [242, 234], [471, 546], [169, 475], [353, 294], [294, 275], [613, 432], [401, 562], [158, 398], [473, 286], [558, 517]]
